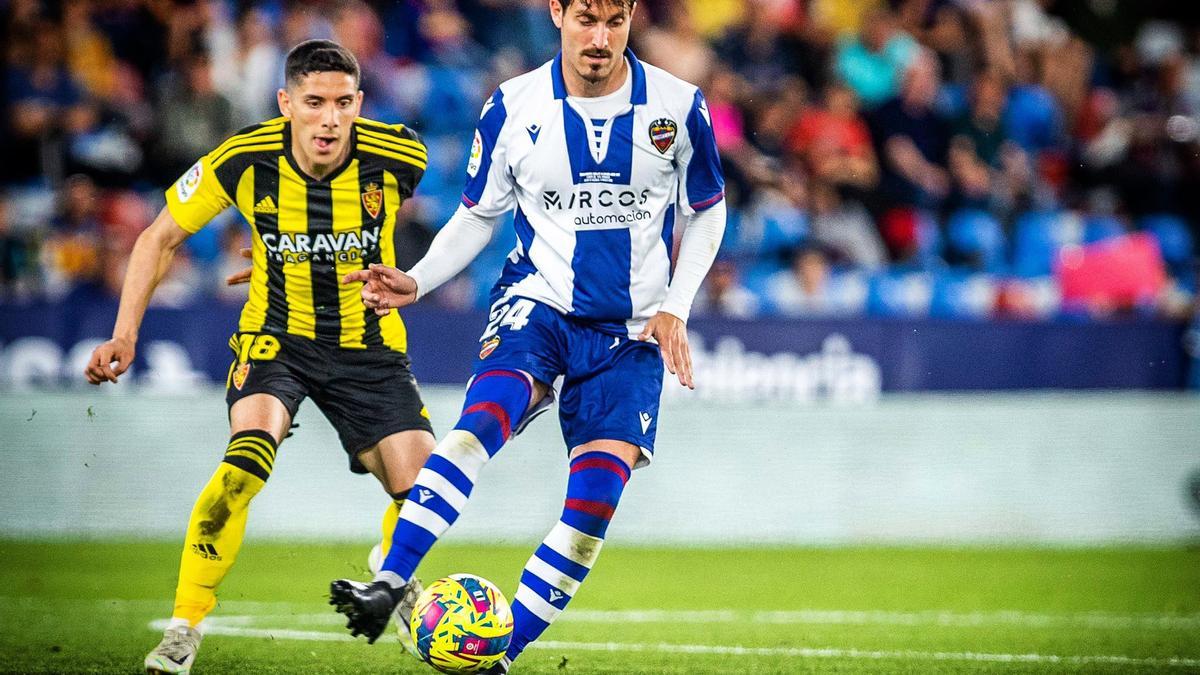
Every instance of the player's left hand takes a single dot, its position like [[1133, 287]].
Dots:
[[242, 277], [670, 333]]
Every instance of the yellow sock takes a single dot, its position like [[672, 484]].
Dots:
[[386, 528], [218, 522]]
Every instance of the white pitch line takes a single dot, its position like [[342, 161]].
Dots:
[[811, 617], [801, 652], [291, 611], [737, 650]]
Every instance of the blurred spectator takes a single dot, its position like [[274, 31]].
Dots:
[[523, 26], [834, 141], [14, 256], [249, 71], [807, 287], [195, 118], [724, 295], [78, 207], [89, 52], [775, 221], [845, 228], [987, 169], [46, 105], [872, 63], [843, 17], [677, 46], [913, 139], [755, 48]]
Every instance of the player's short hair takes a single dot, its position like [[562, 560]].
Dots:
[[319, 56], [627, 4]]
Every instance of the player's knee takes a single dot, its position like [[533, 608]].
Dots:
[[253, 452]]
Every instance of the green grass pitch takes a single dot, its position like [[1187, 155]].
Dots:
[[90, 607]]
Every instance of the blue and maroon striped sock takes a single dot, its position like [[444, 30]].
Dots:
[[558, 567], [496, 401]]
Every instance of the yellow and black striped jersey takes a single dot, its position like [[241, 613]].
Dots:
[[308, 233]]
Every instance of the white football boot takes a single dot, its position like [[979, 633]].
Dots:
[[404, 609], [176, 653]]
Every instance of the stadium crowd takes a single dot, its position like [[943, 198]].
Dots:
[[956, 158]]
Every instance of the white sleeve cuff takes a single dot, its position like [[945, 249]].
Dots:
[[701, 239], [453, 248]]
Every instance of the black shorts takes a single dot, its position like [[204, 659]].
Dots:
[[366, 394]]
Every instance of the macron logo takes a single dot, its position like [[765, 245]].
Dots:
[[646, 420], [424, 495], [533, 130], [555, 596]]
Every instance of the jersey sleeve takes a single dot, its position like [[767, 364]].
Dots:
[[198, 196], [489, 190], [701, 181], [411, 168]]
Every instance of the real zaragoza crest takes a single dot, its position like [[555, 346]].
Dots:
[[662, 133], [372, 199], [240, 374]]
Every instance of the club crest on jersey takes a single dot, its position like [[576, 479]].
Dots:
[[240, 374], [372, 199], [489, 347], [662, 133]]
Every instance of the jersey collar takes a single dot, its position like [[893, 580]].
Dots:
[[636, 97], [287, 153]]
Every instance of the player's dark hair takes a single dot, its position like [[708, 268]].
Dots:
[[627, 4], [319, 56]]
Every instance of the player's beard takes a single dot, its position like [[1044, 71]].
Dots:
[[595, 75]]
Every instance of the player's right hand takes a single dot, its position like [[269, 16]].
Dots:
[[101, 368], [384, 288]]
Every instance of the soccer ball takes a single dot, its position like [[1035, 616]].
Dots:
[[461, 624]]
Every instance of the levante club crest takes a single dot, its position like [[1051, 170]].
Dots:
[[662, 133], [489, 347], [372, 199]]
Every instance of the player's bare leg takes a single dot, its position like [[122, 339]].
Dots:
[[218, 523], [395, 461]]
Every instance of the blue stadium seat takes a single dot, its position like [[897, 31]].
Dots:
[[975, 235], [1173, 236], [899, 294], [1038, 237], [962, 295], [1099, 228]]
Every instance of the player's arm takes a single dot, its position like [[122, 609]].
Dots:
[[453, 248], [192, 201], [702, 201], [148, 263], [697, 250]]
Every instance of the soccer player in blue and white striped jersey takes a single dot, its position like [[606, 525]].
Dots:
[[599, 158]]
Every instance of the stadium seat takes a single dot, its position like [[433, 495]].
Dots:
[[1038, 237], [1099, 228], [912, 235], [961, 295], [899, 294], [1173, 236], [976, 237]]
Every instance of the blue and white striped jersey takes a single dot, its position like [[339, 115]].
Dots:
[[593, 209]]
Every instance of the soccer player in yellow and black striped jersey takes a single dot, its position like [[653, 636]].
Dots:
[[321, 188]]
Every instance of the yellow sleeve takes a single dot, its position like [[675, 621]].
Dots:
[[197, 197]]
